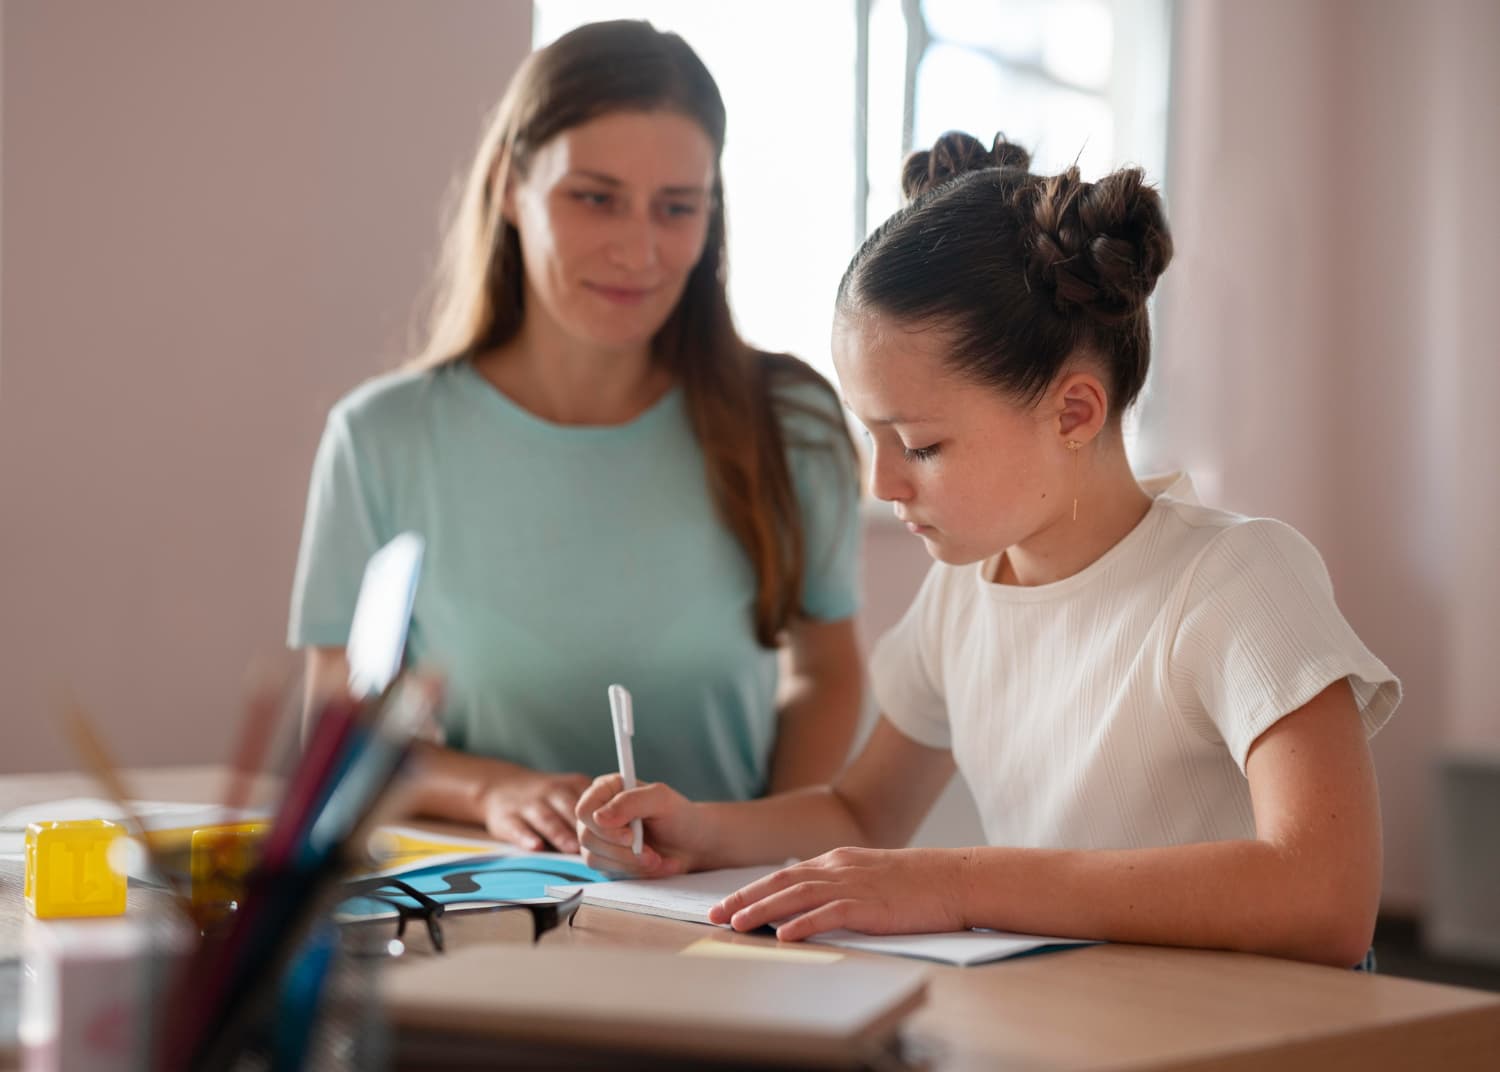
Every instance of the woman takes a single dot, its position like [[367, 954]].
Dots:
[[613, 487]]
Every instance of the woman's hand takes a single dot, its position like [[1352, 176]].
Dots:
[[675, 831], [874, 891], [533, 809]]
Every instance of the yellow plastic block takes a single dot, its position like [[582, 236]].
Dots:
[[68, 872], [221, 858]]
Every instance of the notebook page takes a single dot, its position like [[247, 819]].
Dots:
[[689, 897], [960, 947], [686, 897]]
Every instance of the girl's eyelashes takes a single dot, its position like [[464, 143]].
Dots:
[[911, 454]]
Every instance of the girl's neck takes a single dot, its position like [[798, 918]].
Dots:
[[567, 381], [1110, 504]]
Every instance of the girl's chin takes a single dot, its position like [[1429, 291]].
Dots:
[[950, 553]]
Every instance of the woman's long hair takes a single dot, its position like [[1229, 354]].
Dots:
[[735, 396]]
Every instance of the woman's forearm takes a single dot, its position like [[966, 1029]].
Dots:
[[449, 784], [1251, 896], [818, 704], [814, 727]]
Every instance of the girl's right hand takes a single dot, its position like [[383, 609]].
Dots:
[[675, 838]]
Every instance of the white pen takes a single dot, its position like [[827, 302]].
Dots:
[[623, 717]]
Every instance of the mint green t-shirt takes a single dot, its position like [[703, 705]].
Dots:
[[563, 559]]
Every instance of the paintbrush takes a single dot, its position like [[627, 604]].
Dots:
[[96, 759], [270, 694]]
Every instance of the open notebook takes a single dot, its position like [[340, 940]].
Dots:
[[507, 1006], [689, 897]]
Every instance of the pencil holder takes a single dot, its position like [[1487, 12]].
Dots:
[[318, 1010], [344, 1028], [69, 871]]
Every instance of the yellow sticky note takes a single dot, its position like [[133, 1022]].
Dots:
[[392, 847], [714, 947]]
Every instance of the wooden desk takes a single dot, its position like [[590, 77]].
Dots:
[[1111, 1007]]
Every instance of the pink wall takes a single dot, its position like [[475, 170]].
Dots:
[[1328, 355], [215, 220]]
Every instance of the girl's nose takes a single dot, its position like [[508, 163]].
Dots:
[[887, 482]]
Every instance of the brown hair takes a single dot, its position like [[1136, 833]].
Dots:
[[735, 396], [1027, 270]]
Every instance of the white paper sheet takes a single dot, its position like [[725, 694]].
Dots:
[[689, 897], [154, 815], [685, 897]]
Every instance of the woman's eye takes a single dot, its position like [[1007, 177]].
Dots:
[[592, 197], [920, 454], [678, 209]]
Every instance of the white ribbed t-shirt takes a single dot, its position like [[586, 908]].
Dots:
[[1115, 708]]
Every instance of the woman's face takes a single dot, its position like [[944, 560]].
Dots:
[[968, 470], [612, 216]]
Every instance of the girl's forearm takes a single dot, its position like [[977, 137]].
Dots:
[[799, 824], [1250, 896]]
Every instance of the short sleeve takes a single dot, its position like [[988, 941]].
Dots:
[[1261, 635], [339, 534], [906, 668], [825, 478]]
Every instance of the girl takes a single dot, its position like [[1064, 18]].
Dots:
[[612, 485], [1158, 707]]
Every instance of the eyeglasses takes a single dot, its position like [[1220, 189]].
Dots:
[[459, 923]]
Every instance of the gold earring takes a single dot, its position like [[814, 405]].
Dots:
[[1073, 445]]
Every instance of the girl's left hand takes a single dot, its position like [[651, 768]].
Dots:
[[874, 891]]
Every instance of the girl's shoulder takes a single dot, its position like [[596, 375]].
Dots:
[[1219, 546]]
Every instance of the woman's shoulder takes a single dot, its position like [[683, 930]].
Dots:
[[805, 403], [393, 400]]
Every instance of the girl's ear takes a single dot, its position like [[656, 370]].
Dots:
[[1082, 406]]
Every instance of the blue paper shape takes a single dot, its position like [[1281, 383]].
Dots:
[[507, 878]]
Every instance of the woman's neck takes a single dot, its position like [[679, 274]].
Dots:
[[1111, 503], [563, 380]]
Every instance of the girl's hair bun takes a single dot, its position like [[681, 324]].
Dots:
[[1026, 271], [1097, 247], [954, 154]]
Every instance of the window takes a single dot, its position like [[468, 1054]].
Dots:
[[785, 69], [825, 98]]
